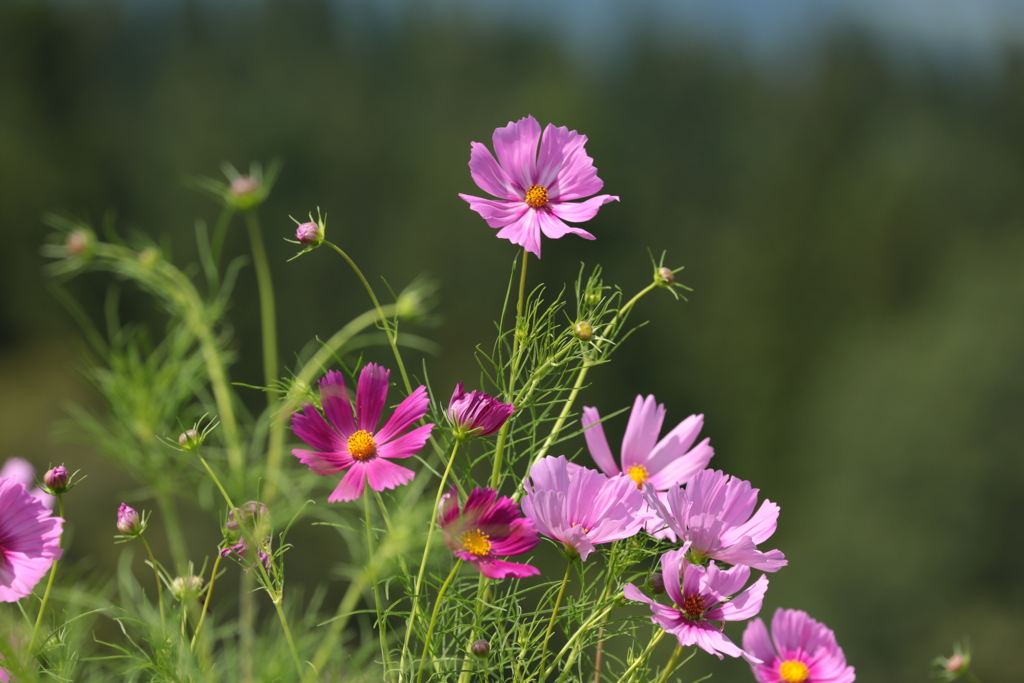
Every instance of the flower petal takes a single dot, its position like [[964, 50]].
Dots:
[[684, 467], [577, 212], [524, 231], [593, 431], [516, 147], [641, 431], [493, 568], [497, 212], [384, 474], [412, 408], [312, 428], [559, 147], [489, 176], [554, 228], [408, 444], [324, 462], [371, 394], [756, 642], [351, 485], [337, 405]]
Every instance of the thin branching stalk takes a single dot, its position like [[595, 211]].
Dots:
[[159, 587], [381, 623], [571, 644], [206, 602], [642, 657], [49, 581], [288, 634], [554, 617], [670, 667], [433, 618], [220, 231]]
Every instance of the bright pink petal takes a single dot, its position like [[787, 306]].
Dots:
[[711, 640], [633, 593], [642, 430], [489, 176], [312, 428], [524, 231], [674, 444], [576, 179], [410, 410], [497, 212], [384, 474], [559, 147], [746, 553], [553, 228], [516, 147], [673, 569], [760, 527], [324, 462], [337, 405], [578, 212], [593, 431], [743, 606], [350, 487], [407, 444], [756, 642], [493, 568], [684, 467], [371, 394]]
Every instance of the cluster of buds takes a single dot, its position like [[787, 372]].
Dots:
[[251, 520]]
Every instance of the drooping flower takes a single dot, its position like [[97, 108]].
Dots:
[[581, 507], [715, 514], [535, 190], [701, 596], [21, 471], [347, 442], [485, 528], [665, 463], [29, 540], [800, 650], [476, 414]]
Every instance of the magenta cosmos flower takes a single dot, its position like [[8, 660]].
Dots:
[[703, 597], [665, 463], [21, 471], [476, 414], [800, 650], [534, 189], [715, 515], [581, 507], [487, 526], [351, 442], [29, 540]]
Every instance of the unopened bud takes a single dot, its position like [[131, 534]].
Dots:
[[665, 277], [583, 330], [79, 242], [243, 185], [189, 439], [185, 588], [480, 648], [128, 522], [593, 299], [56, 480], [955, 664], [656, 582], [309, 234]]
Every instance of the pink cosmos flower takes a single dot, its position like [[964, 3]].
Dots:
[[535, 189], [21, 471], [703, 597], [347, 442], [664, 463], [476, 414], [715, 515], [581, 507], [29, 540], [800, 650], [486, 527]]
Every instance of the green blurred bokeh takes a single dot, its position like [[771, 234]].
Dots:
[[853, 234]]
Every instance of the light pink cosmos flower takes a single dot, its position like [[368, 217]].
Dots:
[[535, 189], [715, 515], [347, 442], [581, 507], [665, 463], [800, 650], [21, 471], [29, 540], [703, 597], [487, 526]]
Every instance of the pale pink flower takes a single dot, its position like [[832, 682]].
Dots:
[[29, 540], [702, 596], [715, 515], [488, 526], [21, 471], [534, 189], [351, 442], [581, 507], [800, 650], [665, 463]]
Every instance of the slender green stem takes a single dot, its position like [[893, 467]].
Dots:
[[571, 643], [206, 601], [554, 617], [670, 667], [517, 349], [220, 231], [433, 618], [49, 581], [426, 554], [246, 626], [388, 330], [642, 657], [227, 498], [381, 623], [288, 636], [159, 583], [522, 286]]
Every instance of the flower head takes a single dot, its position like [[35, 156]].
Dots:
[[57, 479], [800, 650], [486, 527], [581, 507], [21, 471], [351, 442], [665, 463], [29, 540], [701, 596], [251, 520], [476, 414], [128, 521], [535, 189], [715, 514]]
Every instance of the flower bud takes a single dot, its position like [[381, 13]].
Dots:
[[955, 664], [128, 521], [309, 234], [189, 439], [244, 185], [480, 648], [656, 583], [583, 330], [476, 414], [56, 480], [665, 276], [593, 299], [186, 588], [148, 257], [79, 242]]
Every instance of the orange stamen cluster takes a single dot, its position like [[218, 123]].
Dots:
[[792, 671], [361, 445], [638, 473], [476, 542], [537, 196]]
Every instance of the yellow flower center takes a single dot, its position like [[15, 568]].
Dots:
[[361, 445], [537, 196], [693, 607], [792, 671], [475, 542], [639, 474]]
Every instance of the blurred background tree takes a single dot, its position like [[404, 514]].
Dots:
[[849, 213]]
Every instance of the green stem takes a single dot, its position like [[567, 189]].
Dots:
[[426, 555], [220, 231], [671, 665], [433, 618], [206, 602], [288, 636], [391, 334], [381, 624], [49, 581], [227, 498], [642, 657], [554, 616], [499, 449], [571, 643], [159, 587]]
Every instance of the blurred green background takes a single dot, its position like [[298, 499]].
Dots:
[[850, 221]]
